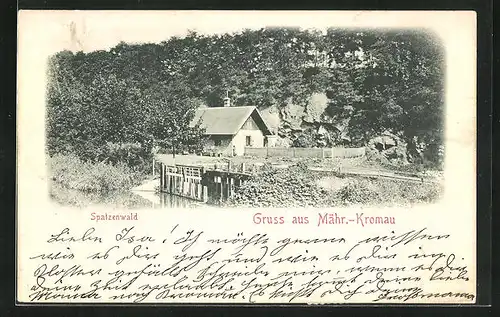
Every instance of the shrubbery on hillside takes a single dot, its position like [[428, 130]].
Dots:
[[71, 172], [297, 186]]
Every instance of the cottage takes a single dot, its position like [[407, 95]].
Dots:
[[231, 129]]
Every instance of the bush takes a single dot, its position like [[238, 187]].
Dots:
[[72, 172], [297, 186], [290, 187], [77, 198], [359, 191], [387, 192], [133, 155], [304, 140]]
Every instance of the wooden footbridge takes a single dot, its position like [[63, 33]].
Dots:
[[202, 181]]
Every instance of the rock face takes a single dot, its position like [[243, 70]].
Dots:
[[310, 126], [291, 120], [315, 108], [387, 148], [292, 116]]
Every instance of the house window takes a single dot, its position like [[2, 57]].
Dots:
[[248, 140], [217, 142]]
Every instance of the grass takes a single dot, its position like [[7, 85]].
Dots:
[[297, 186], [71, 172], [385, 192], [77, 198]]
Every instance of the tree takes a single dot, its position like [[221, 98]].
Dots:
[[171, 109], [146, 93], [387, 81]]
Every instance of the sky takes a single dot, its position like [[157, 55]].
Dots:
[[102, 30]]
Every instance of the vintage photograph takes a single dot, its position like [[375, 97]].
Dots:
[[245, 157], [268, 117]]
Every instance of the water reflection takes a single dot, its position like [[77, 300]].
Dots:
[[164, 200], [118, 199]]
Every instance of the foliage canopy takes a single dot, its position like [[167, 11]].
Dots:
[[375, 81]]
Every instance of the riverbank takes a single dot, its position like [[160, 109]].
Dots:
[[72, 173], [298, 186], [78, 183], [114, 199], [275, 183]]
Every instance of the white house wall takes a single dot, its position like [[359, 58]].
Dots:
[[239, 140]]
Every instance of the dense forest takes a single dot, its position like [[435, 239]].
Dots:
[[353, 84]]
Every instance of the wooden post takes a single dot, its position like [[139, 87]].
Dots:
[[161, 178], [219, 180], [164, 174], [174, 183], [205, 189], [166, 183], [170, 183], [200, 190], [223, 190], [192, 188], [153, 167]]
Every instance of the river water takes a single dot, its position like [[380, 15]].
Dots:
[[119, 199]]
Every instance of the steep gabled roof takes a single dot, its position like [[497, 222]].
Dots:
[[227, 120]]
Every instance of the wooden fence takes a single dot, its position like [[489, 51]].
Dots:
[[372, 173], [185, 181], [305, 152], [213, 184]]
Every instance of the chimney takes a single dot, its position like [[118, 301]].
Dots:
[[227, 100]]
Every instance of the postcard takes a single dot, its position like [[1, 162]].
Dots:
[[246, 157]]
